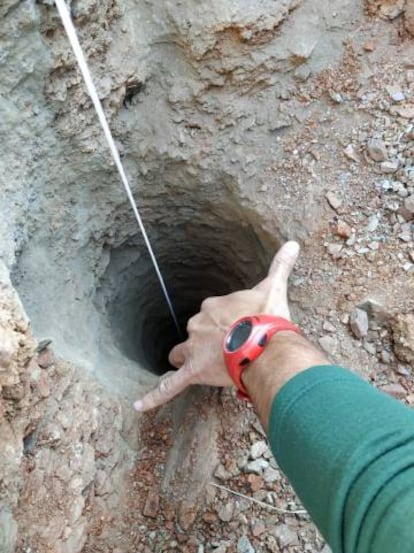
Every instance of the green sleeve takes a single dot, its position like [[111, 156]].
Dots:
[[348, 451]]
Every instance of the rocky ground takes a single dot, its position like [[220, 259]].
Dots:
[[79, 471], [361, 145]]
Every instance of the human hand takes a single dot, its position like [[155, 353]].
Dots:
[[200, 358]]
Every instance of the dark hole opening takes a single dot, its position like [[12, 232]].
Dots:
[[193, 270]]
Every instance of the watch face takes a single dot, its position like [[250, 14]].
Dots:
[[239, 335]]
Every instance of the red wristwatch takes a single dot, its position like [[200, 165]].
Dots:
[[245, 342]]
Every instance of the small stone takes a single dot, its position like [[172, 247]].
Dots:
[[285, 536], [369, 46], [409, 204], [343, 230], [377, 150], [385, 357], [271, 475], [45, 358], [257, 466], [329, 327], [258, 528], [395, 93], [66, 533], [43, 344], [333, 200], [336, 97], [403, 371], [152, 505], [377, 313], [373, 221], [370, 348], [255, 482], [225, 513], [187, 514], [258, 449], [406, 112], [334, 250], [221, 473], [358, 321], [402, 326], [389, 166], [395, 390], [328, 344], [351, 154], [244, 545]]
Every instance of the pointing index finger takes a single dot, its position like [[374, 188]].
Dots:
[[167, 388]]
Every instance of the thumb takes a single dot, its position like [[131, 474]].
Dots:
[[167, 388], [284, 261], [277, 279]]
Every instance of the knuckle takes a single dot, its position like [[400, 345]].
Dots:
[[209, 303], [165, 386], [192, 324]]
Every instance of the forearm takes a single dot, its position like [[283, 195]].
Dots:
[[286, 355], [347, 449]]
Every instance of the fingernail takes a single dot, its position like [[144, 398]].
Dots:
[[138, 405]]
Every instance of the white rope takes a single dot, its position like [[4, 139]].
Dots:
[[83, 66]]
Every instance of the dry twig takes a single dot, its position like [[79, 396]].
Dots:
[[261, 503]]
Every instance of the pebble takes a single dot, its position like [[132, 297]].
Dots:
[[45, 358], [221, 473], [370, 348], [403, 371], [409, 204], [152, 505], [328, 344], [271, 475], [258, 528], [333, 200], [336, 97], [351, 154], [334, 250], [244, 545], [389, 166], [373, 222], [329, 327], [255, 482], [377, 149], [258, 449], [406, 112], [395, 93], [358, 321], [220, 549], [369, 46], [395, 390], [285, 536], [257, 466], [225, 513], [343, 230], [386, 357]]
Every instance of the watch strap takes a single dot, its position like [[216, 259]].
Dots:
[[263, 327]]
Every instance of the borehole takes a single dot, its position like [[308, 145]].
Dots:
[[197, 262]]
